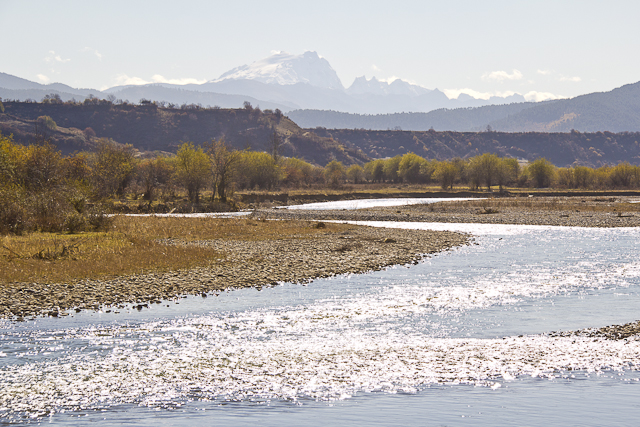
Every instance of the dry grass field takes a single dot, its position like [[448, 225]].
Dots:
[[134, 245]]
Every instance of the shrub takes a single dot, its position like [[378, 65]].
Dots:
[[99, 221], [75, 222], [47, 122]]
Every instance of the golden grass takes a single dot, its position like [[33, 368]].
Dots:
[[216, 228], [132, 246]]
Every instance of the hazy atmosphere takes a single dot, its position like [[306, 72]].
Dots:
[[329, 213], [542, 49]]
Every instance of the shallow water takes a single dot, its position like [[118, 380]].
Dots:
[[458, 339], [373, 203]]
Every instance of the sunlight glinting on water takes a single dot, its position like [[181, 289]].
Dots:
[[391, 336], [221, 358], [372, 203]]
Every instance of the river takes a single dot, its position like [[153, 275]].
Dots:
[[459, 339]]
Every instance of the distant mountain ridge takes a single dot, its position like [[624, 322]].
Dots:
[[615, 111], [282, 80], [377, 87], [308, 89], [459, 119], [13, 83]]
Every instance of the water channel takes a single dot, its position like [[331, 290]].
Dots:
[[459, 339]]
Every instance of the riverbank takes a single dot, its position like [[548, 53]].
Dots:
[[256, 253], [331, 250], [612, 332], [556, 211]]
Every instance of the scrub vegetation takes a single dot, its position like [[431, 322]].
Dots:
[[134, 245], [43, 190]]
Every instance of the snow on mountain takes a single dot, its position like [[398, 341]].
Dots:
[[374, 86], [286, 69]]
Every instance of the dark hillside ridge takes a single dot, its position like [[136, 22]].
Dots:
[[615, 111], [459, 119], [151, 128], [562, 149]]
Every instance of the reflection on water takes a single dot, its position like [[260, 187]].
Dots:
[[372, 203], [474, 316]]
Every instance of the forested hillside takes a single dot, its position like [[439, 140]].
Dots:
[[615, 111], [562, 149], [150, 127]]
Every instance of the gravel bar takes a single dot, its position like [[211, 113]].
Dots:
[[247, 264], [584, 212], [613, 332]]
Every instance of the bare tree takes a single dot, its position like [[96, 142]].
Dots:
[[275, 142], [192, 170], [223, 160]]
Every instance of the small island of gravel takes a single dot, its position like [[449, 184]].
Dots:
[[330, 250]]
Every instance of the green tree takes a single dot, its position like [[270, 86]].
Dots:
[[484, 169], [622, 175], [541, 172], [391, 167], [47, 122], [566, 178], [334, 173], [427, 168], [507, 172], [113, 166], [298, 172], [583, 176], [257, 170], [192, 170], [374, 170], [413, 168], [602, 177], [40, 168], [446, 174], [355, 174]]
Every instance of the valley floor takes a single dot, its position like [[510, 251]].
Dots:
[[332, 249]]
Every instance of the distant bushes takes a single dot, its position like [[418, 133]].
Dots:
[[42, 190], [488, 170], [47, 122]]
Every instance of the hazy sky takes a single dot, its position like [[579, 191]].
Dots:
[[560, 48]]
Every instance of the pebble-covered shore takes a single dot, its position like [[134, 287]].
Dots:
[[545, 211], [613, 332], [247, 264], [264, 263]]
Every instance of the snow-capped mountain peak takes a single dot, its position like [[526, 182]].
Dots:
[[374, 86], [285, 69]]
